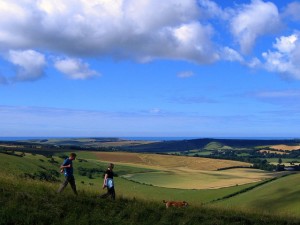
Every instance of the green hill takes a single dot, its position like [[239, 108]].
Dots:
[[24, 202], [38, 165], [279, 196], [25, 199]]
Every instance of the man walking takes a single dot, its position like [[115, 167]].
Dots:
[[67, 169]]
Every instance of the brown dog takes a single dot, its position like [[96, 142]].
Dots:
[[175, 204]]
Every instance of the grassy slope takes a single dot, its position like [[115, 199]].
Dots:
[[30, 164], [273, 194], [279, 196], [32, 202]]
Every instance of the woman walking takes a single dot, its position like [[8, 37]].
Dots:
[[108, 182]]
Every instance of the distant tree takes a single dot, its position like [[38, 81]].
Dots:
[[279, 160]]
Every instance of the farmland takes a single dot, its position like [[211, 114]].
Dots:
[[186, 172], [148, 177]]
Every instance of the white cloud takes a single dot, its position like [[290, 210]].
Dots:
[[254, 63], [252, 21], [75, 69], [292, 11], [211, 9], [286, 44], [285, 58], [278, 94], [155, 111], [120, 29], [30, 64], [185, 74], [230, 54]]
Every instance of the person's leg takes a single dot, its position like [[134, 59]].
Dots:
[[73, 184], [112, 193], [106, 194], [63, 185]]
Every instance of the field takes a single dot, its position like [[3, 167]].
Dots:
[[150, 176], [17, 166], [155, 177], [279, 196], [191, 179], [185, 172], [27, 202], [285, 147], [167, 161]]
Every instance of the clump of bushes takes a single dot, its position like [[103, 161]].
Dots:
[[49, 175]]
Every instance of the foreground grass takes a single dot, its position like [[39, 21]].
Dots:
[[33, 202]]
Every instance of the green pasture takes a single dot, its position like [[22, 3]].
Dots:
[[284, 160], [279, 196], [28, 202], [200, 179]]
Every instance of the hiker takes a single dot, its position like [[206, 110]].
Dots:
[[67, 169], [108, 182]]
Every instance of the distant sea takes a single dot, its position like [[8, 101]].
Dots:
[[151, 138]]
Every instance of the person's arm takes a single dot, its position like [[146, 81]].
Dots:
[[64, 165], [67, 166], [104, 181]]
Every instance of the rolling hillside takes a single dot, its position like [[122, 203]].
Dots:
[[24, 202], [279, 196]]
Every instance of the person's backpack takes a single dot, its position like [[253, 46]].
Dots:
[[109, 183]]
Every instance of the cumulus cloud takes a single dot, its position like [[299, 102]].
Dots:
[[120, 29], [285, 58], [252, 21], [75, 69], [29, 63], [185, 74]]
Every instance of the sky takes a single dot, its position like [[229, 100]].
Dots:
[[137, 68]]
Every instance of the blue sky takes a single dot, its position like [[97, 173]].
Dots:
[[150, 68]]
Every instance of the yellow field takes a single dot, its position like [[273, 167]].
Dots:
[[285, 147], [167, 161]]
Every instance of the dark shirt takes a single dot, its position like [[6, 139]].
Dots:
[[110, 174], [68, 171]]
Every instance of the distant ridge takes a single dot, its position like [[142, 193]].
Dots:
[[184, 145]]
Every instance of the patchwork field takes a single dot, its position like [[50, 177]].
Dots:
[[168, 161], [183, 172]]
